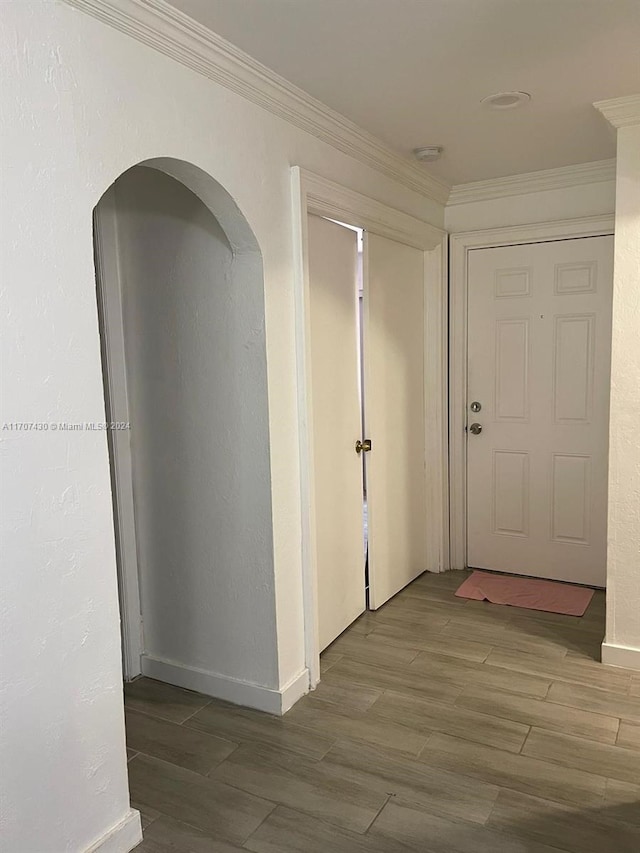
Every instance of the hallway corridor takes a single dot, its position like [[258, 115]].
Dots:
[[441, 725]]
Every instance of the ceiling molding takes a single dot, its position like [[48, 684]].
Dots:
[[534, 182], [171, 32], [621, 112]]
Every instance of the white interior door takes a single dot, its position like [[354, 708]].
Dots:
[[332, 254], [394, 414], [539, 364]]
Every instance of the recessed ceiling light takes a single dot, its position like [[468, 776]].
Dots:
[[427, 152], [506, 100]]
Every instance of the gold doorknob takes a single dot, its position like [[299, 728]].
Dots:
[[363, 445]]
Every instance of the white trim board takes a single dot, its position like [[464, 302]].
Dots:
[[169, 31], [436, 403], [314, 194], [122, 837], [333, 201], [625, 656], [620, 112], [268, 699], [534, 182], [460, 246], [109, 293]]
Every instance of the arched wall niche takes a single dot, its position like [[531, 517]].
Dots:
[[209, 624], [210, 191], [215, 197]]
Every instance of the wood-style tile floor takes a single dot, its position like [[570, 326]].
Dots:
[[440, 726]]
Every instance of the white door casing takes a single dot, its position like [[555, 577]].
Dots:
[[394, 371], [539, 338], [313, 194], [336, 426]]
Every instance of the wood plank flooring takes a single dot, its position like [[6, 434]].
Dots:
[[440, 726]]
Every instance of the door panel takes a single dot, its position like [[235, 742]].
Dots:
[[332, 256], [394, 414], [539, 355]]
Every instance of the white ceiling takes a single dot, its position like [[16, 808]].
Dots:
[[413, 72]]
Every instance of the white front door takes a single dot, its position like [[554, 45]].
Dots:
[[394, 374], [539, 321], [333, 305]]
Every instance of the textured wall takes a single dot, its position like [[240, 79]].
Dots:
[[623, 569]]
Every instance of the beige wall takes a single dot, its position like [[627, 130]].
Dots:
[[622, 646]]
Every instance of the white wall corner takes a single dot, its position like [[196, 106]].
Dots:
[[294, 689], [122, 837], [625, 656], [620, 112], [166, 29]]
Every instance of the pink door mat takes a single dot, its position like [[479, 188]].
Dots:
[[532, 593]]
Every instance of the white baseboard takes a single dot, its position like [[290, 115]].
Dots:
[[267, 699], [626, 656], [122, 837]]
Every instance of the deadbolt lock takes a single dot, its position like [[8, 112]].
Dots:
[[363, 445], [475, 407]]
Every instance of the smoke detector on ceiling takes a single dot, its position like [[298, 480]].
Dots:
[[506, 100], [427, 153]]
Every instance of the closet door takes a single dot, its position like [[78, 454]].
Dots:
[[394, 414], [332, 253]]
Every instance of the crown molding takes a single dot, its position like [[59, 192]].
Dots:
[[171, 32], [534, 182], [621, 112]]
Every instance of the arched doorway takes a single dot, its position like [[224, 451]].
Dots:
[[180, 289]]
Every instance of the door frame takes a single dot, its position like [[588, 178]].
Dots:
[[460, 246], [112, 344], [312, 194]]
